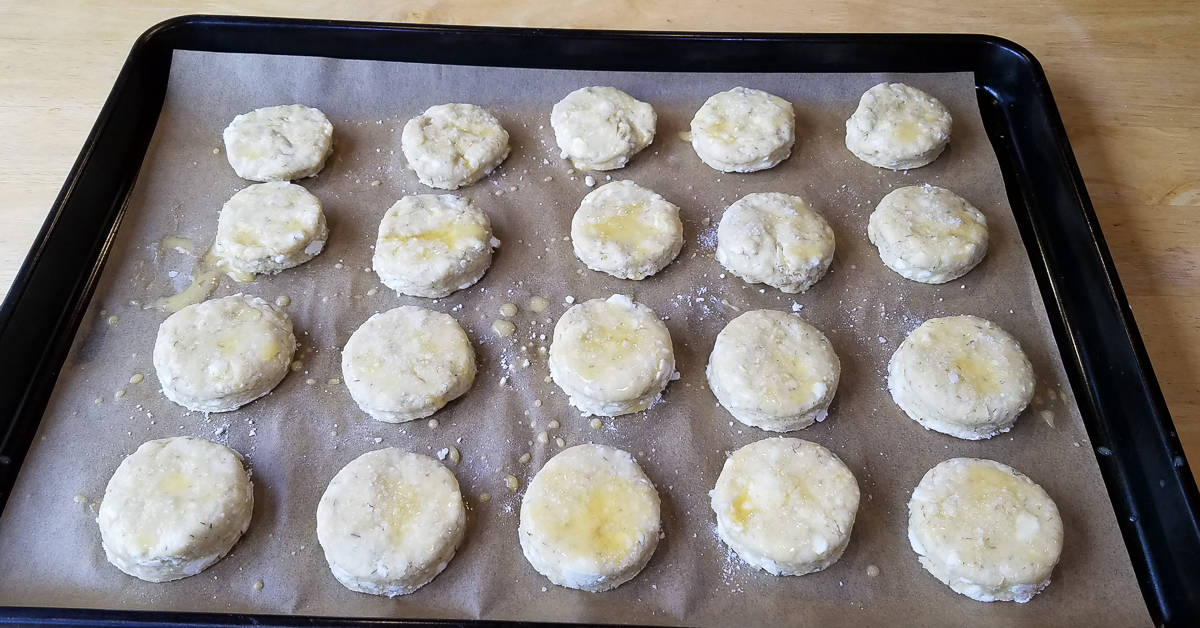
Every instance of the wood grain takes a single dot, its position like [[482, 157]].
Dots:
[[1123, 74]]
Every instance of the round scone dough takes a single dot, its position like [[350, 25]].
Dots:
[[390, 522], [406, 363], [431, 245], [743, 130], [174, 507], [962, 376], [453, 145], [776, 239], [611, 356], [223, 353], [590, 518], [268, 227], [626, 230], [898, 127], [282, 143], [985, 530], [774, 371], [928, 234], [601, 128], [785, 505]]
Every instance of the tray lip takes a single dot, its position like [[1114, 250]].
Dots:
[[152, 38]]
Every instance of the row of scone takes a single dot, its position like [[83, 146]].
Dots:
[[390, 521], [448, 146], [433, 245], [959, 375]]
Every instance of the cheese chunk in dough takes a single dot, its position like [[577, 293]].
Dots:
[[611, 356], [601, 128], [406, 363], [390, 521], [785, 505], [985, 530], [174, 507], [590, 519]]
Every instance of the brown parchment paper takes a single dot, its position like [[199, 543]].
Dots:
[[300, 435]]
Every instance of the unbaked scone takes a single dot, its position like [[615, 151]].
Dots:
[[898, 127], [985, 530], [962, 376], [785, 505], [282, 143], [773, 371], [601, 128], [626, 230], [928, 234], [743, 130], [453, 145], [431, 245], [223, 353], [174, 507], [268, 227], [776, 239], [406, 363], [390, 522], [611, 356], [590, 518]]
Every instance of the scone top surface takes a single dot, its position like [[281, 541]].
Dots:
[[269, 227], [897, 126], [406, 363], [776, 239], [601, 128], [174, 507], [453, 145], [626, 230], [611, 356], [961, 375], [743, 130], [431, 245], [773, 370], [786, 505], [928, 234], [985, 530], [218, 355], [590, 518], [390, 521], [281, 143]]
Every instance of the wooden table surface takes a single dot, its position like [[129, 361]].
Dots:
[[1123, 72]]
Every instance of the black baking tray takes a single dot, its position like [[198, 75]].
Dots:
[[1140, 457]]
